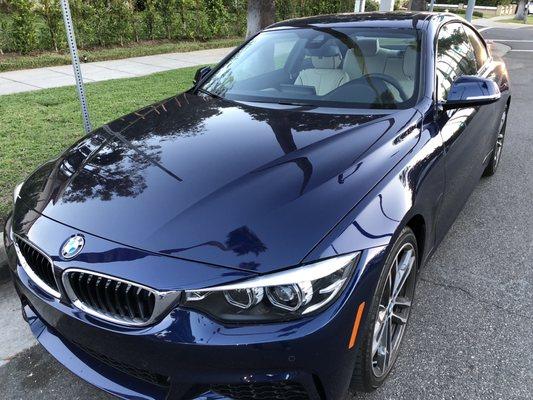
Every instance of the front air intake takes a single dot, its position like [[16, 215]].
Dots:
[[37, 265], [262, 391], [116, 300]]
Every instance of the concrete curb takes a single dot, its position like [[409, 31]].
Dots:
[[4, 268], [499, 49]]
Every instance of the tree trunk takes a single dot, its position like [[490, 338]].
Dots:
[[520, 10], [261, 13], [417, 5]]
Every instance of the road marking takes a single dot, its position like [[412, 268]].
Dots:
[[485, 28], [512, 40], [524, 51]]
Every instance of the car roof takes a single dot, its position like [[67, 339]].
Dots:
[[413, 19]]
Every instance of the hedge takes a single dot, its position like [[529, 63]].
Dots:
[[486, 3], [36, 25]]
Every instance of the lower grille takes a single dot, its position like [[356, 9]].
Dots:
[[38, 265], [139, 373], [116, 300], [262, 391]]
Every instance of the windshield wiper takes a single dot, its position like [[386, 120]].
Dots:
[[207, 92], [282, 102], [294, 103]]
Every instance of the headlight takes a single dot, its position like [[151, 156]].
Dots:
[[279, 296], [16, 192]]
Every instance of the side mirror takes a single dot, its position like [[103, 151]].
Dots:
[[201, 74], [471, 91]]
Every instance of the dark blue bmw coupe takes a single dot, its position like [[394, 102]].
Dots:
[[259, 236]]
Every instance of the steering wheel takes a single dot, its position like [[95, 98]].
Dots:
[[388, 79]]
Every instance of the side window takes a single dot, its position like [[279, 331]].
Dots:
[[455, 57], [480, 50]]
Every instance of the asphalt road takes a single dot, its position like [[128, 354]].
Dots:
[[470, 336]]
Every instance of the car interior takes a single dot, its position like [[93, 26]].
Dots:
[[374, 72]]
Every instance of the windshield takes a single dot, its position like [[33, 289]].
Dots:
[[342, 67]]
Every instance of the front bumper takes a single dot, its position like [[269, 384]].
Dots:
[[189, 355]]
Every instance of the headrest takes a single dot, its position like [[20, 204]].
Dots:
[[326, 57], [352, 65], [409, 62], [369, 47]]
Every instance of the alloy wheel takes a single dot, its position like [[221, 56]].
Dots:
[[393, 311], [500, 139]]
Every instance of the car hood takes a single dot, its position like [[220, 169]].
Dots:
[[219, 182]]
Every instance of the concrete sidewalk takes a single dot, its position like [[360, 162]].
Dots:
[[489, 23], [50, 77], [4, 268], [16, 335]]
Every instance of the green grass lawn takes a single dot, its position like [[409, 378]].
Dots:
[[38, 126], [10, 62], [515, 21]]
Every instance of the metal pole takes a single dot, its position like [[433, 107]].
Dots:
[[386, 5], [470, 10], [359, 6], [71, 39], [431, 5]]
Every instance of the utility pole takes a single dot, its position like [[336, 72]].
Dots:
[[470, 10], [71, 39], [431, 5]]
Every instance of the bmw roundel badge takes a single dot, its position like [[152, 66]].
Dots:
[[72, 246]]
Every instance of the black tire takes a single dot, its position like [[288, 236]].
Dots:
[[496, 154], [364, 378]]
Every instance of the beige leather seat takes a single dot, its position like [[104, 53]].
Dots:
[[410, 58], [403, 68], [369, 59], [373, 59], [326, 74]]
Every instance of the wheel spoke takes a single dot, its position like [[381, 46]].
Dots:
[[379, 328], [402, 302], [398, 319], [393, 310], [404, 270], [390, 281], [380, 352], [388, 344]]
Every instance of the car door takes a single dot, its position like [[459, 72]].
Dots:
[[486, 69], [464, 131]]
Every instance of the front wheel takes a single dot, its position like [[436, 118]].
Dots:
[[388, 315]]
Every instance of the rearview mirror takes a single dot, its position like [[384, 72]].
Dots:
[[200, 74], [471, 91]]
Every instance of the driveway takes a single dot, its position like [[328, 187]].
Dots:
[[470, 336]]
